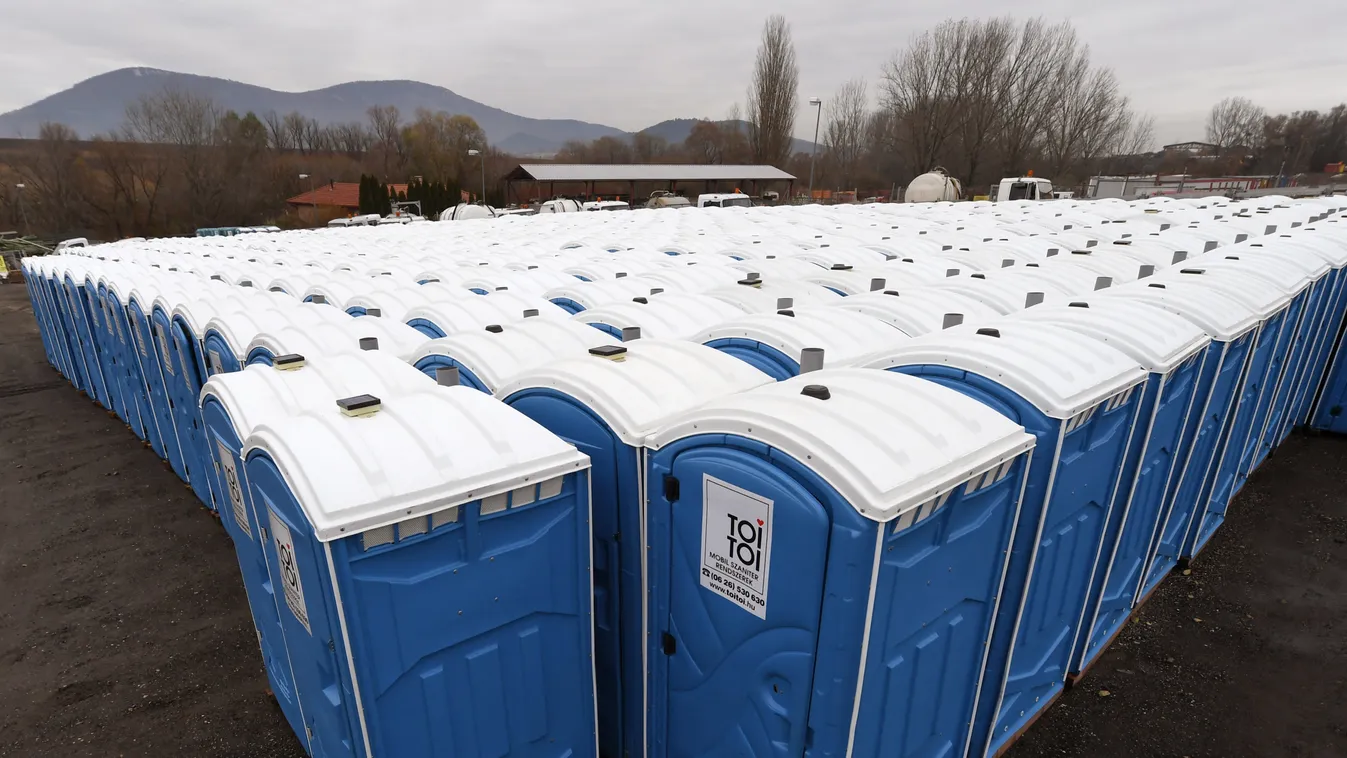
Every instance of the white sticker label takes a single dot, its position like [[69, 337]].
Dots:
[[216, 365], [289, 568], [231, 480], [736, 544], [163, 345], [140, 343]]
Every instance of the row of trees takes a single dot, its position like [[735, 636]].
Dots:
[[180, 162], [1253, 140]]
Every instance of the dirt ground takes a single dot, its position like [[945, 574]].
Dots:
[[124, 630]]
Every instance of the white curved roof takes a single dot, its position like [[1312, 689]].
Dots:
[[1288, 276], [920, 310], [238, 328], [1157, 339], [656, 379], [334, 339], [664, 316], [594, 294], [495, 357], [887, 443], [263, 393], [765, 297], [1254, 291], [419, 454], [1059, 371], [477, 311], [843, 334], [1221, 316], [1004, 295]]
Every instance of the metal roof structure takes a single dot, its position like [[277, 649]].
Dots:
[[651, 172]]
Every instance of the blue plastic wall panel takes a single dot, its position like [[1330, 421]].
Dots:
[[187, 389], [426, 327], [1220, 486], [935, 601], [74, 350], [1328, 403], [432, 363], [249, 536], [150, 362], [1162, 420], [220, 355], [175, 365], [724, 681], [569, 305], [93, 369], [1319, 347], [1306, 335], [615, 502], [124, 377], [766, 359], [260, 356], [1282, 356], [104, 345]]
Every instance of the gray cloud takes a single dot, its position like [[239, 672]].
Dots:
[[634, 64]]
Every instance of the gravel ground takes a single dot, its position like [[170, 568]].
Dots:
[[127, 633]]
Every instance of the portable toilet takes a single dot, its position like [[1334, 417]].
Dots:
[[72, 289], [920, 310], [801, 598], [1270, 304], [1172, 349], [486, 358], [334, 339], [1232, 327], [228, 335], [606, 403], [665, 316], [136, 383], [433, 554], [232, 406], [105, 335], [391, 303], [773, 342], [1079, 398], [139, 309]]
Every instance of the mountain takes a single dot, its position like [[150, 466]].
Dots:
[[98, 105], [676, 130]]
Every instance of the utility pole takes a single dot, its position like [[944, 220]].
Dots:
[[481, 153], [818, 116], [23, 213]]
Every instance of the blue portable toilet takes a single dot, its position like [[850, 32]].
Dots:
[[1172, 349], [125, 372], [228, 335], [1232, 327], [150, 354], [673, 316], [39, 291], [72, 287], [432, 552], [606, 403], [920, 310], [232, 406], [30, 273], [137, 386], [1270, 305], [772, 342], [489, 357], [1079, 398], [801, 598]]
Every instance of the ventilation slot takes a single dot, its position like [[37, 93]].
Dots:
[[921, 512], [373, 538], [495, 503], [446, 516], [412, 527], [523, 496], [549, 488], [1079, 419]]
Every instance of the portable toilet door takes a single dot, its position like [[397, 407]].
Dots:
[[487, 358], [432, 552], [138, 388], [606, 403], [918, 311], [232, 405], [150, 355], [1271, 306], [773, 342], [801, 595], [1172, 350], [126, 374], [73, 288], [106, 340], [1079, 398], [183, 371], [1233, 328]]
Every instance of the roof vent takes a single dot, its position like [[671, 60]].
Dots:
[[288, 362], [989, 332], [611, 352], [530, 312], [876, 284], [1103, 283], [447, 376], [1145, 271], [783, 303], [319, 299], [495, 328], [641, 300], [951, 320], [1211, 245], [841, 267], [1052, 251], [621, 275], [751, 281], [369, 343], [1007, 262], [951, 272], [631, 333], [1033, 298], [786, 312], [816, 391], [811, 359], [1078, 304], [360, 405], [656, 290], [375, 312]]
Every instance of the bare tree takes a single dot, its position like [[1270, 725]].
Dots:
[[1027, 91], [924, 89], [1236, 122], [705, 143], [846, 135], [277, 133], [649, 148], [773, 94], [386, 126], [53, 177]]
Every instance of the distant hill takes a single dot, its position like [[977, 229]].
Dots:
[[676, 130], [98, 105]]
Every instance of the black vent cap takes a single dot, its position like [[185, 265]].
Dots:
[[357, 403], [289, 359], [607, 351], [816, 391]]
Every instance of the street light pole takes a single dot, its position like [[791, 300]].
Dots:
[[313, 197], [23, 213], [818, 116], [481, 153]]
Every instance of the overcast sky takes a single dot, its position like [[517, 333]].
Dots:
[[631, 65]]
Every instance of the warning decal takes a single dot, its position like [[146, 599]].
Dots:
[[231, 480], [216, 365], [736, 544], [289, 568], [163, 347]]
